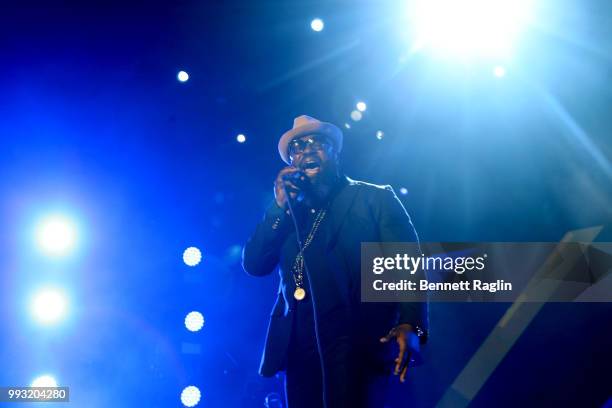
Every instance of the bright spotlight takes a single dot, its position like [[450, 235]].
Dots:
[[241, 138], [192, 256], [194, 321], [380, 134], [56, 235], [403, 191], [499, 71], [182, 76], [48, 306], [361, 106], [469, 27], [44, 381], [356, 115], [317, 24], [190, 396]]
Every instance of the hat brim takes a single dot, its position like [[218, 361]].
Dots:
[[317, 128]]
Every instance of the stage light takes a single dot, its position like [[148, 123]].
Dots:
[[346, 125], [182, 76], [403, 191], [241, 138], [468, 28], [361, 106], [499, 71], [317, 25], [194, 321], [380, 134], [192, 256], [56, 235], [190, 397], [356, 115], [44, 381], [48, 306]]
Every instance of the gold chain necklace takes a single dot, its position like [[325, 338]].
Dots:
[[298, 264]]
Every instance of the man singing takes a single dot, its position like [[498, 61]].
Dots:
[[336, 350]]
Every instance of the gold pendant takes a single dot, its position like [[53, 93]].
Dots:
[[299, 294]]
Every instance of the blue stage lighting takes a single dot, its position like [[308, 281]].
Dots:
[[44, 381], [48, 306], [194, 321], [317, 24], [241, 138], [182, 76], [273, 400], [468, 28], [56, 235], [192, 256], [190, 397]]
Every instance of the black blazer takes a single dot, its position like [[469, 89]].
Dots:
[[360, 212]]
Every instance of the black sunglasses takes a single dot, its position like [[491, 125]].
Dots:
[[316, 142]]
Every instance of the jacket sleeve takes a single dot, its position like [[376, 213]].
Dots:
[[395, 225], [260, 254]]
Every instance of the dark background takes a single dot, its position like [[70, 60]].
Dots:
[[95, 124]]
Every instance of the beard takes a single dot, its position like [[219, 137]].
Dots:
[[320, 181]]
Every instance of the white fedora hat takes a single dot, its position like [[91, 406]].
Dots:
[[306, 125]]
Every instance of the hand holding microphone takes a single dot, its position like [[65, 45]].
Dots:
[[291, 181]]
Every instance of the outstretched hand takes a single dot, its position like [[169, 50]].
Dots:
[[400, 333]]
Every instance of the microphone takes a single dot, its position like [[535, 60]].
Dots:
[[296, 176], [299, 179], [300, 184]]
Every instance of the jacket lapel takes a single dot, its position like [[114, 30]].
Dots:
[[340, 206]]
